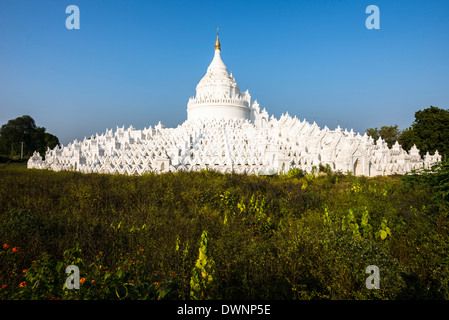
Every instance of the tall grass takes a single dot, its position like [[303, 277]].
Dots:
[[296, 236]]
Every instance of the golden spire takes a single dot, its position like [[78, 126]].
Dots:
[[217, 42]]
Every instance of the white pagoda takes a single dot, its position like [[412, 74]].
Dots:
[[227, 131]]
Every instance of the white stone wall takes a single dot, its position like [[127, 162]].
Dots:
[[228, 145]]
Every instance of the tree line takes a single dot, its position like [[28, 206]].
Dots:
[[429, 132], [20, 137]]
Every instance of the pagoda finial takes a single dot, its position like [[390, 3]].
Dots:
[[217, 42]]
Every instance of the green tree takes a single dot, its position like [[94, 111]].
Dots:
[[429, 131], [24, 130], [51, 141], [390, 134]]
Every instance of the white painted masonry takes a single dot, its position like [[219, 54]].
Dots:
[[226, 131]]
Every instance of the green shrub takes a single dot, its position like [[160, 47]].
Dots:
[[204, 275]]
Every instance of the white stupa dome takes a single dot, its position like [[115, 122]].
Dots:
[[217, 94]]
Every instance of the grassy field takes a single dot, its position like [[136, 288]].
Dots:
[[207, 235]]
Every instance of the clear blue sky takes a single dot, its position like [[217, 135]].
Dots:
[[137, 62]]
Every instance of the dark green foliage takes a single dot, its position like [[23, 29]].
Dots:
[[436, 178], [293, 236], [24, 129], [429, 131], [390, 134]]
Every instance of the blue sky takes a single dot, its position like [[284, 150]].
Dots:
[[137, 62]]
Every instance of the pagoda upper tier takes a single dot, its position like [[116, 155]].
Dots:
[[218, 95]]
